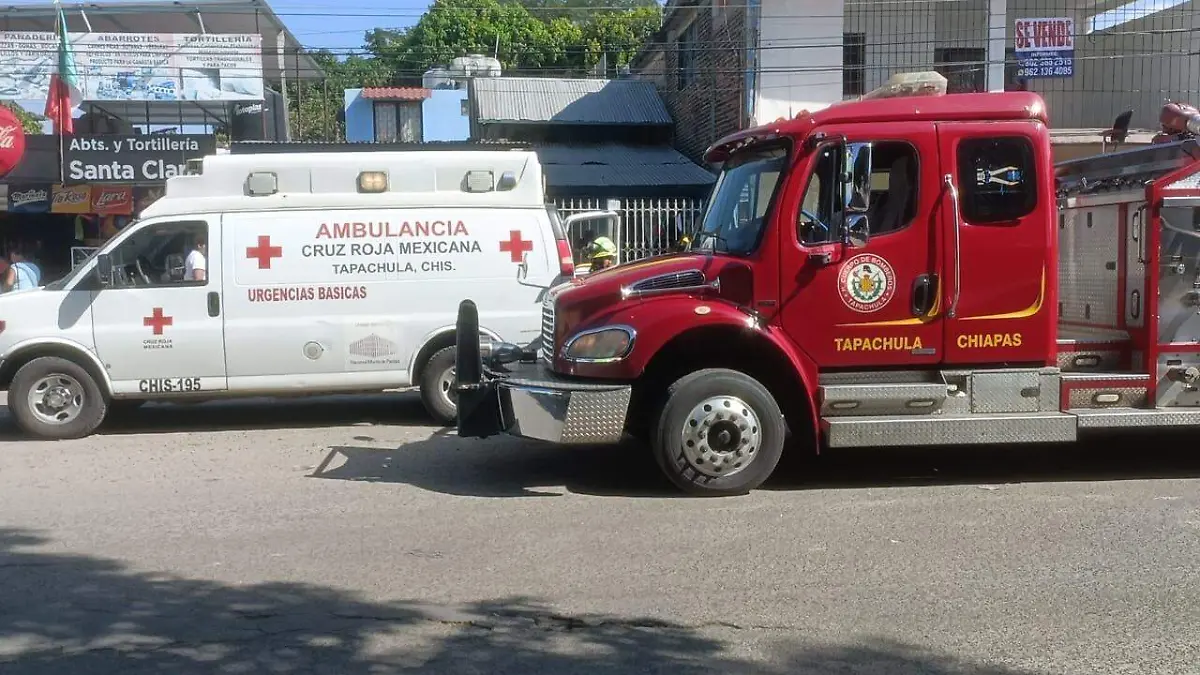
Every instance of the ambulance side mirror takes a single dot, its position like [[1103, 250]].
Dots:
[[104, 269]]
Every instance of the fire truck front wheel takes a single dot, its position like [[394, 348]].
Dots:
[[720, 433]]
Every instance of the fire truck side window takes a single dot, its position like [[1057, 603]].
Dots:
[[157, 255], [893, 187], [816, 220], [997, 179]]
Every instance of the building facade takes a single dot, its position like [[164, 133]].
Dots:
[[722, 66], [406, 115]]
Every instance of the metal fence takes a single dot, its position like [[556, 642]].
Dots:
[[646, 227]]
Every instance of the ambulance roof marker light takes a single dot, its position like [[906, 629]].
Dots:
[[372, 182], [262, 183], [508, 181], [479, 181]]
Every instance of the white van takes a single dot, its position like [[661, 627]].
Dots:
[[324, 273]]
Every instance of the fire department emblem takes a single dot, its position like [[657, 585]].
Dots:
[[866, 283]]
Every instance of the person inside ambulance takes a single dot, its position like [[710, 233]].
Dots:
[[195, 267]]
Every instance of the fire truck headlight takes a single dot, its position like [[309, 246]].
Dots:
[[600, 345]]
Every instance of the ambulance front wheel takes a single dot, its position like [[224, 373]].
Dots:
[[56, 399], [437, 387]]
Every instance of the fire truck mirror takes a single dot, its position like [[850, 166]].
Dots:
[[857, 177], [104, 269], [858, 231]]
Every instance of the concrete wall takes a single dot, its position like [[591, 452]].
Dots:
[[799, 57], [443, 117], [360, 118]]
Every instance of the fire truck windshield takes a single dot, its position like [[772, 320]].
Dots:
[[741, 201]]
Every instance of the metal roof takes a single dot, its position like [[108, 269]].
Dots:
[[567, 101], [616, 165]]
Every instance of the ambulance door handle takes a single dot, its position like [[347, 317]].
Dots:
[[214, 304]]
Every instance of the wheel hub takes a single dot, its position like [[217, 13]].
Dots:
[[446, 385], [56, 399], [721, 436]]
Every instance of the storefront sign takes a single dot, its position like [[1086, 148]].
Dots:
[[112, 200], [132, 159], [1045, 47], [29, 198], [137, 66], [71, 199], [12, 141]]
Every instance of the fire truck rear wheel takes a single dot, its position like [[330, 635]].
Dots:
[[56, 399], [720, 433], [437, 387]]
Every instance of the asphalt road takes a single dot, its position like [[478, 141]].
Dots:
[[341, 536]]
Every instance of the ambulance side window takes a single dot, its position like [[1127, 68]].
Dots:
[[162, 255]]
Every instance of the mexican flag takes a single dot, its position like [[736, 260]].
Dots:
[[64, 95]]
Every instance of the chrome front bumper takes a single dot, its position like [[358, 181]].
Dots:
[[501, 390], [536, 403]]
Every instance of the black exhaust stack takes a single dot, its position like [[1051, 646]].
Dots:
[[478, 402]]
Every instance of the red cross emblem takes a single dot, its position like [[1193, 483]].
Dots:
[[264, 252], [516, 247], [157, 321]]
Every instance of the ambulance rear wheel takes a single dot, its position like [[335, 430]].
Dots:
[[720, 433], [56, 399], [437, 387]]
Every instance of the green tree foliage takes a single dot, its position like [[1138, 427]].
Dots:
[[559, 37], [31, 123], [316, 106], [550, 38]]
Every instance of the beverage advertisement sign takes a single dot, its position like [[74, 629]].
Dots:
[[136, 66]]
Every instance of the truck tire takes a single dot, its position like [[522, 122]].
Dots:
[[437, 387], [55, 399], [719, 433]]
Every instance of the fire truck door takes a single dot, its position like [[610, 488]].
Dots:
[[875, 304], [997, 217]]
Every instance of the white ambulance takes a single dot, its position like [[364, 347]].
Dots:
[[321, 273]]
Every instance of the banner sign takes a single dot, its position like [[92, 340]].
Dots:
[[29, 198], [132, 159], [1045, 48], [112, 200], [136, 66], [71, 199]]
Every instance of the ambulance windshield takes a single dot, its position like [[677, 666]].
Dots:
[[741, 199]]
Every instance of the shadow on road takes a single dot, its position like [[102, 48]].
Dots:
[[499, 467], [400, 408], [71, 614]]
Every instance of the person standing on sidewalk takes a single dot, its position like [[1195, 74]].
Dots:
[[22, 274]]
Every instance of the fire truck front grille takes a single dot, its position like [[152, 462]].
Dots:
[[547, 329]]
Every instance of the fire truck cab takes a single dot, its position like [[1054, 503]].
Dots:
[[909, 269]]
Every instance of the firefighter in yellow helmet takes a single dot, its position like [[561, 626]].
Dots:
[[601, 252]]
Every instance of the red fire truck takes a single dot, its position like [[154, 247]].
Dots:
[[905, 270]]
